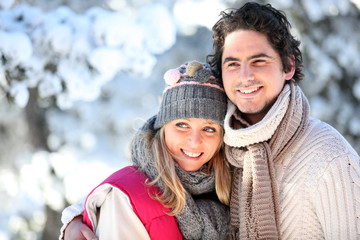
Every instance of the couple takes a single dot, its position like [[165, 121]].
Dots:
[[292, 176]]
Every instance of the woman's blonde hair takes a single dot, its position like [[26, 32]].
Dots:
[[173, 195]]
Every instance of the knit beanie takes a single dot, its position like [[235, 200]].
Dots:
[[192, 92]]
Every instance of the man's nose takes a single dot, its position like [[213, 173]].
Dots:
[[246, 73]]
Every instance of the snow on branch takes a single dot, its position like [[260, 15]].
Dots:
[[68, 56]]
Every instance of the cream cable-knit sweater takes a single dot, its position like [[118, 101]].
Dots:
[[318, 181]]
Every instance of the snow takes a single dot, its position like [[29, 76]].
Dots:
[[318, 10], [20, 93], [85, 51], [355, 125], [94, 76], [49, 85], [108, 61], [71, 57], [6, 4], [356, 89], [159, 34], [107, 33], [15, 47], [191, 14], [59, 38], [356, 2]]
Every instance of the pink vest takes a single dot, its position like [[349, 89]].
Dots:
[[152, 213]]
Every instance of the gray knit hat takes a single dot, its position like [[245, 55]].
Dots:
[[192, 92]]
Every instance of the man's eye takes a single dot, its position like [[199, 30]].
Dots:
[[233, 64], [259, 61]]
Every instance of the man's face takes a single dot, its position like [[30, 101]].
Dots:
[[252, 73]]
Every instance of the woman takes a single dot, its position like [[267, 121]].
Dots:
[[179, 184]]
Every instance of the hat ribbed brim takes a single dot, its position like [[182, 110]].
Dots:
[[192, 101]]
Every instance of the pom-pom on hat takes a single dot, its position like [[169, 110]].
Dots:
[[192, 92]]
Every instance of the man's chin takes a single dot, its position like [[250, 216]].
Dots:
[[253, 116]]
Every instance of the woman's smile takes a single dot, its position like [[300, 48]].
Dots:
[[192, 141], [191, 154]]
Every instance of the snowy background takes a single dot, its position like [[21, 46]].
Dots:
[[77, 78]]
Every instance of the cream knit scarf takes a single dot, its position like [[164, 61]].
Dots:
[[252, 150]]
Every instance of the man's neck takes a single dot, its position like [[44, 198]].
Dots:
[[253, 118]]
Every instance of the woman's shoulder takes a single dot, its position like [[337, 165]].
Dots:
[[127, 175], [132, 185], [135, 185]]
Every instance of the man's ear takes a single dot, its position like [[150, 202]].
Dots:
[[160, 99], [291, 71]]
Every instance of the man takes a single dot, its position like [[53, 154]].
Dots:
[[295, 177]]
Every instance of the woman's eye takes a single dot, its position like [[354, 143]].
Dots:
[[181, 125], [209, 129]]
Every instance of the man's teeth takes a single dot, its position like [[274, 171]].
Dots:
[[249, 90], [191, 154]]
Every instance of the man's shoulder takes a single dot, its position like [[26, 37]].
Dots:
[[322, 135], [319, 147], [316, 127]]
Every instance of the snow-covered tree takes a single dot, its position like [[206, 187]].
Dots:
[[68, 74], [331, 47], [76, 81], [68, 57]]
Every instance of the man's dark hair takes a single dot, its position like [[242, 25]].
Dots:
[[266, 20]]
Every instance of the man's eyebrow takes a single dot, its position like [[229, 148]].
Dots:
[[230, 59], [260, 55]]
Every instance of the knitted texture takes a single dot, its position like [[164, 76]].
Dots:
[[258, 197], [314, 190], [192, 92], [201, 218], [267, 126]]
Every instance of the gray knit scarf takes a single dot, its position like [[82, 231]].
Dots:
[[253, 150], [202, 217]]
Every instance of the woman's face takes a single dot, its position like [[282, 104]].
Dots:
[[192, 141]]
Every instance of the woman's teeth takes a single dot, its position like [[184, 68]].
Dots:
[[191, 154]]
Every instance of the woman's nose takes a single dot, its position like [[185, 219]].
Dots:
[[195, 138]]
